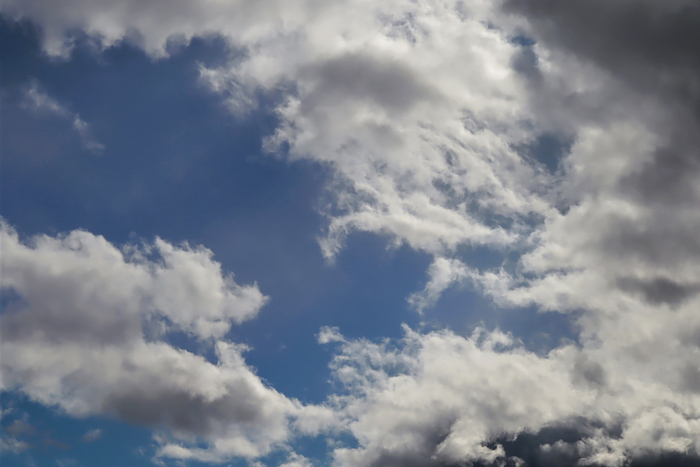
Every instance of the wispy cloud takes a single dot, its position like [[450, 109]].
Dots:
[[13, 445], [92, 435], [39, 101]]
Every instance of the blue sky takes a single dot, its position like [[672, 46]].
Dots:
[[410, 234]]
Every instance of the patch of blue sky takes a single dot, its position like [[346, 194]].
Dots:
[[53, 438]]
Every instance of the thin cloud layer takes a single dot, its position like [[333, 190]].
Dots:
[[429, 115], [39, 101]]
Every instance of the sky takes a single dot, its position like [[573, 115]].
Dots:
[[345, 233]]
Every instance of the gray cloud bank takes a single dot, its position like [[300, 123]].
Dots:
[[423, 111]]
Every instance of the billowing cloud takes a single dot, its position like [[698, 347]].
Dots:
[[415, 106], [87, 330], [443, 399]]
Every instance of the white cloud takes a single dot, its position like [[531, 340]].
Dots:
[[296, 460], [88, 333], [415, 105], [443, 273], [439, 398], [62, 279], [39, 101], [330, 334]]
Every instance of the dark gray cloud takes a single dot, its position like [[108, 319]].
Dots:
[[660, 290], [669, 178], [422, 453], [589, 372], [652, 47], [60, 321], [387, 82], [648, 56], [557, 446], [652, 44], [184, 412]]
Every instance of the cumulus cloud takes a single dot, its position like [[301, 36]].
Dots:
[[39, 101], [87, 331], [429, 114], [443, 399]]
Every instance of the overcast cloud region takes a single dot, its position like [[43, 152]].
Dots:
[[542, 155]]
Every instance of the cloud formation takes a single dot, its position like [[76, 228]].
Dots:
[[430, 116], [87, 330], [442, 399], [416, 107]]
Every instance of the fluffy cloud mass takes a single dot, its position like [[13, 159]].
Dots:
[[443, 399], [432, 117], [87, 327]]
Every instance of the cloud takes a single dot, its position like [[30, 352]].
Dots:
[[19, 427], [62, 279], [92, 435], [426, 163], [442, 399], [438, 399], [11, 444], [443, 273], [328, 335], [88, 332], [414, 106], [40, 102], [296, 460], [12, 436], [429, 115]]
